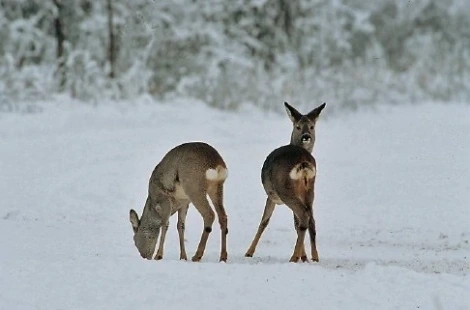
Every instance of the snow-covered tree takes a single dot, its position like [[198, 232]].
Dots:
[[227, 53]]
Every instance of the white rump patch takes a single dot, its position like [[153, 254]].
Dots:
[[211, 174], [297, 173], [310, 173], [218, 174]]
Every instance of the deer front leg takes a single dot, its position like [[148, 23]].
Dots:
[[164, 210], [182, 212], [268, 212], [164, 228]]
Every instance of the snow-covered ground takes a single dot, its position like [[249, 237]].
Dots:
[[392, 209]]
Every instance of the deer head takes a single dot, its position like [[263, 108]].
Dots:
[[147, 228], [303, 132]]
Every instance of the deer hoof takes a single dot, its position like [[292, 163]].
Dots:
[[196, 258], [248, 255], [183, 257], [315, 256], [158, 257], [304, 258], [294, 259]]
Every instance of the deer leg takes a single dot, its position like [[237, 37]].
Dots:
[[163, 213], [268, 212], [216, 193], [182, 212], [313, 234], [171, 205], [164, 229], [303, 254], [311, 225], [300, 212], [199, 200], [298, 246]]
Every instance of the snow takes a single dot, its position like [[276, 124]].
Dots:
[[392, 210]]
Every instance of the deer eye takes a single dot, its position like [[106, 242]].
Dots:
[[311, 127], [298, 127]]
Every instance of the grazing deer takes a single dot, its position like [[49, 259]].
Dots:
[[186, 174], [288, 177]]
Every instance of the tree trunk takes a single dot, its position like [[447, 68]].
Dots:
[[60, 36], [112, 41]]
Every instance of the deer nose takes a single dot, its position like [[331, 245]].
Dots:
[[306, 138]]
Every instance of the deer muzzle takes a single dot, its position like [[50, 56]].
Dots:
[[306, 138]]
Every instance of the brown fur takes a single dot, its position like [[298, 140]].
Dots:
[[288, 177], [179, 179]]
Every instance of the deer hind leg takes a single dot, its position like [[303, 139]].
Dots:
[[182, 212], [208, 216], [216, 194], [164, 229], [303, 255], [268, 212], [311, 225], [312, 232], [196, 192], [302, 215]]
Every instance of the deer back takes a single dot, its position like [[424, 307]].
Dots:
[[287, 173], [185, 166]]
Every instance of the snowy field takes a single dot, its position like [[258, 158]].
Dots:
[[392, 209]]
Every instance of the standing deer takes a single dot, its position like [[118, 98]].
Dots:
[[186, 174], [288, 177]]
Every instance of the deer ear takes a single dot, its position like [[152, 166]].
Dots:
[[293, 114], [313, 115], [134, 218]]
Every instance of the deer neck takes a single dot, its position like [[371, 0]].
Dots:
[[151, 219]]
